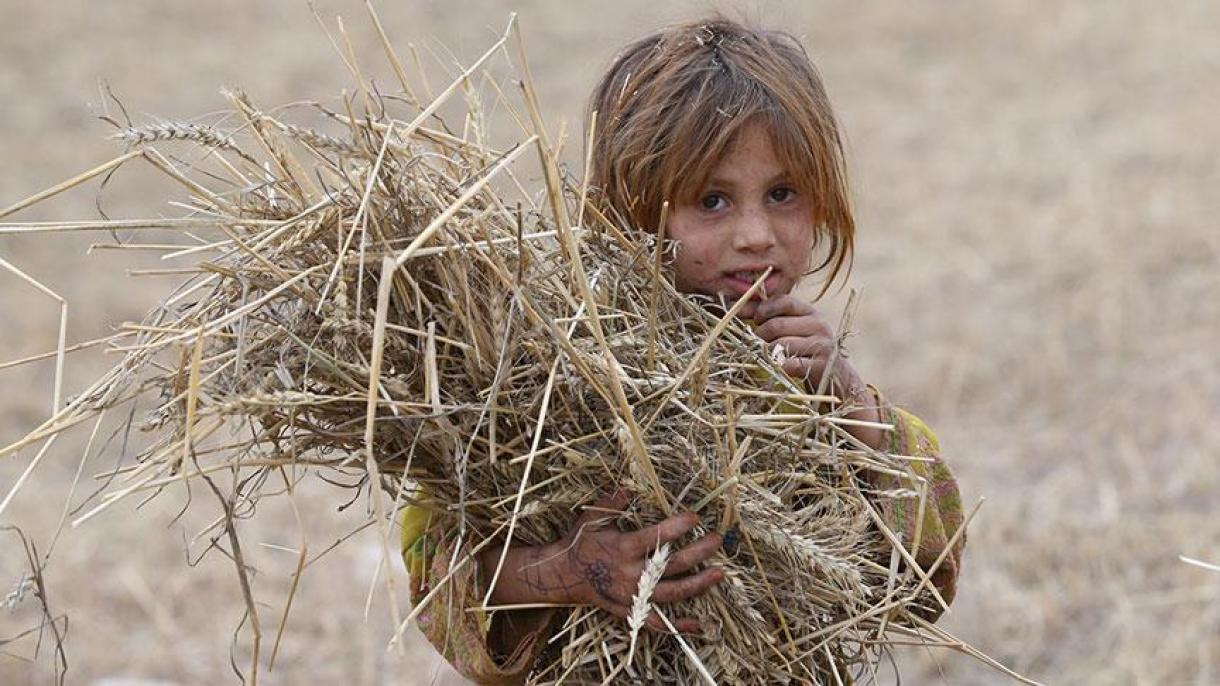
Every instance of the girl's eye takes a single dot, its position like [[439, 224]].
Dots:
[[712, 202], [781, 194]]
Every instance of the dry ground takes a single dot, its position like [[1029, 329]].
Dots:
[[1039, 256]]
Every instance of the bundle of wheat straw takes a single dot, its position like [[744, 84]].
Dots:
[[390, 302]]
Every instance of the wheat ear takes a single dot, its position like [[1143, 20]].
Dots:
[[206, 136], [641, 602]]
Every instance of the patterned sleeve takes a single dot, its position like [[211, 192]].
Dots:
[[466, 637], [943, 514]]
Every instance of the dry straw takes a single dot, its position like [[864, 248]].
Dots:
[[391, 306], [1200, 563]]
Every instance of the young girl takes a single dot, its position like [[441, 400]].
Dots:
[[733, 128]]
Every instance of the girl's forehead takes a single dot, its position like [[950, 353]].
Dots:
[[752, 138], [753, 147]]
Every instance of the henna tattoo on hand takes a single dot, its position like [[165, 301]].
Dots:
[[597, 574], [589, 563], [532, 575]]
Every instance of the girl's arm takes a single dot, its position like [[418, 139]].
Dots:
[[943, 513], [595, 564]]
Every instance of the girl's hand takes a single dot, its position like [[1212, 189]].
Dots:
[[596, 564], [602, 564], [808, 341]]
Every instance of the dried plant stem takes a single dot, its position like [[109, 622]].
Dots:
[[359, 221], [243, 578], [961, 646], [25, 474], [529, 465], [61, 339], [80, 468], [914, 566], [302, 555], [374, 385], [158, 160], [690, 653], [658, 251], [391, 55], [1199, 563], [69, 183], [192, 402]]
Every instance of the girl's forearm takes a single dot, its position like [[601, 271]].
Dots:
[[526, 576], [520, 583]]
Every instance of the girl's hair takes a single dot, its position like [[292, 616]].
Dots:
[[671, 104]]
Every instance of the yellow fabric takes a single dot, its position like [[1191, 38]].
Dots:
[[414, 523], [459, 632]]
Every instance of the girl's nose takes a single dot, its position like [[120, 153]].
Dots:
[[753, 232]]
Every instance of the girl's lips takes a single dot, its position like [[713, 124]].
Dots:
[[738, 284]]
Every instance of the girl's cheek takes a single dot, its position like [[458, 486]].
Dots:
[[700, 264], [691, 269]]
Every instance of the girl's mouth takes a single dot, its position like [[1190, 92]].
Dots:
[[740, 281]]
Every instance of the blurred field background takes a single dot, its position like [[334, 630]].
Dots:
[[1039, 257]]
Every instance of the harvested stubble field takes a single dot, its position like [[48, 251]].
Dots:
[[1039, 259]]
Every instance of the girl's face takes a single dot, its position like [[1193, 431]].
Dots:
[[747, 218]]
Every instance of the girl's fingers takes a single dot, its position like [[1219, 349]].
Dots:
[[800, 346], [645, 540], [684, 625], [803, 368], [616, 609], [672, 590], [693, 554], [781, 305], [803, 326]]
